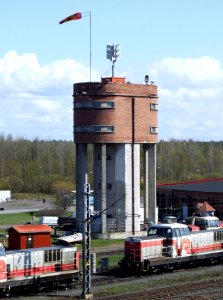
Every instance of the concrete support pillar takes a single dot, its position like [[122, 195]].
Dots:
[[136, 187], [103, 188], [100, 188], [123, 208], [81, 171], [113, 191], [150, 207], [125, 170]]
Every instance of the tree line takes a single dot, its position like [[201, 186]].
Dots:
[[41, 166], [188, 160], [36, 166]]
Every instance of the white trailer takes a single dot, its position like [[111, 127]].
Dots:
[[48, 220], [5, 196]]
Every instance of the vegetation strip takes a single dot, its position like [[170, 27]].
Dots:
[[151, 282]]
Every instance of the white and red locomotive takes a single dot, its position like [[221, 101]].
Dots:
[[168, 246], [35, 267]]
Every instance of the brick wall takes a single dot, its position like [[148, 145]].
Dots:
[[127, 98]]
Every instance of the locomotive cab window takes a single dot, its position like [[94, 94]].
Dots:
[[184, 231], [176, 232], [164, 232]]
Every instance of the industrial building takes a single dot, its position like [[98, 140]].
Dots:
[[119, 120], [180, 199]]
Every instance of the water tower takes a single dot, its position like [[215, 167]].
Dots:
[[119, 120]]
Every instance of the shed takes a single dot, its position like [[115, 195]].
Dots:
[[29, 236]]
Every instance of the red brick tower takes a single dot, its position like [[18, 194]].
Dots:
[[116, 117]]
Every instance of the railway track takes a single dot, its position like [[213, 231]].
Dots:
[[211, 288], [199, 283], [174, 286], [206, 289]]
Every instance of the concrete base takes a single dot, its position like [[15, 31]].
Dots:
[[87, 296], [117, 235]]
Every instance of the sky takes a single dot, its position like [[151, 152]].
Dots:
[[178, 44]]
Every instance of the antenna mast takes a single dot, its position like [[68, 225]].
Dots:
[[113, 53]]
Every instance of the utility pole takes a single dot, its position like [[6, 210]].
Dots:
[[86, 293]]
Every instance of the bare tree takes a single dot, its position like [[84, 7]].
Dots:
[[64, 200]]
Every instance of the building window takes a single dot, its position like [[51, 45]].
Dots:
[[94, 104], [153, 129], [94, 129], [153, 106]]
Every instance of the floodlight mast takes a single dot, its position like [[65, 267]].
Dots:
[[113, 53]]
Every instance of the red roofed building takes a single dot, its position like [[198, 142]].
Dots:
[[183, 199], [204, 207], [29, 236]]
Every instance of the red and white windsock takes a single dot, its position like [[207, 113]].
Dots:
[[75, 16]]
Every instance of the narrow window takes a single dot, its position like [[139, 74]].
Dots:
[[153, 129], [153, 106]]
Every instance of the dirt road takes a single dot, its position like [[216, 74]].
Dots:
[[25, 205]]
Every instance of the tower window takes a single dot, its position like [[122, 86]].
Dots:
[[94, 129], [153, 106], [153, 129], [94, 104]]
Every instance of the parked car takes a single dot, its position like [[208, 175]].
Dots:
[[168, 219]]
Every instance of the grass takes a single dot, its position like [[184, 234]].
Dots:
[[113, 259], [12, 219], [23, 218], [105, 243], [155, 282], [34, 196]]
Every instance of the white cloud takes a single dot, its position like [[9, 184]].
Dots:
[[190, 97], [36, 101], [46, 105], [189, 71]]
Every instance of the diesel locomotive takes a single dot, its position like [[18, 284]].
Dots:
[[36, 267], [172, 245]]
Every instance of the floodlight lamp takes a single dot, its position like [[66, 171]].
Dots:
[[110, 52], [146, 79], [117, 51]]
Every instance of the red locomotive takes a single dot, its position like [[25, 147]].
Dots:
[[168, 246], [35, 267]]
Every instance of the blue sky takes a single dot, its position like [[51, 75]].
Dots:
[[177, 43]]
